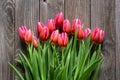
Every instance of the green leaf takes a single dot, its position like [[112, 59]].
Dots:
[[18, 61], [94, 56], [16, 71], [86, 74], [35, 65], [27, 62], [51, 72], [95, 76], [64, 74], [25, 65]]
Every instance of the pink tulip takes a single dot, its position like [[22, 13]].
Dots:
[[101, 36], [97, 35], [51, 25], [62, 39], [75, 24], [54, 36], [40, 26], [80, 32], [59, 20], [22, 30], [28, 36], [87, 31], [35, 42], [66, 26], [44, 34]]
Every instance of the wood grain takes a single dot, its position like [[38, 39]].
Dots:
[[6, 38], [117, 17], [78, 9], [103, 15], [49, 8], [27, 13]]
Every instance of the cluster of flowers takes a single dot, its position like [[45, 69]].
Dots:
[[58, 30]]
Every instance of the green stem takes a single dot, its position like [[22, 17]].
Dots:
[[62, 57]]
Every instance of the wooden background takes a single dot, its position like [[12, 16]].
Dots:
[[102, 13]]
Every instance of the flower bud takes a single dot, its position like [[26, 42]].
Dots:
[[75, 24], [62, 39], [80, 32], [51, 25], [87, 31], [35, 42], [97, 35], [44, 34], [22, 30], [101, 36], [59, 20], [28, 36], [66, 26], [40, 26], [54, 36]]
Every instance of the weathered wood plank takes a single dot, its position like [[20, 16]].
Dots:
[[103, 15], [6, 38], [78, 9], [117, 17], [49, 8], [27, 13]]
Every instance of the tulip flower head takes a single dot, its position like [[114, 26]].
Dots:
[[87, 31], [22, 30], [28, 36], [75, 24], [66, 26], [59, 20], [54, 36], [97, 35], [51, 25], [80, 32], [35, 42], [101, 36], [44, 34], [62, 39], [40, 26]]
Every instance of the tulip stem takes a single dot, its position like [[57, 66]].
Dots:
[[62, 57]]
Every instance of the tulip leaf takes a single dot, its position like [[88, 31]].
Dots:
[[16, 71], [97, 71], [35, 65], [86, 74]]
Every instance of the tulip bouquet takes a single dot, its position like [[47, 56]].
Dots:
[[60, 51]]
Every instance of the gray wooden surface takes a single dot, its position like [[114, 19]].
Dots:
[[117, 16], [102, 13], [6, 38]]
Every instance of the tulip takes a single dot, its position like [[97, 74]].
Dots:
[[28, 36], [75, 24], [97, 35], [62, 39], [66, 26], [35, 42], [40, 26], [54, 36], [44, 34], [94, 34], [80, 34], [59, 20], [101, 36], [87, 31], [22, 30], [51, 25]]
